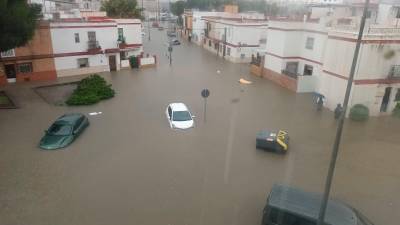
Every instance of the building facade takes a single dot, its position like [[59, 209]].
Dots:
[[90, 46], [236, 39], [32, 62], [315, 55], [67, 47]]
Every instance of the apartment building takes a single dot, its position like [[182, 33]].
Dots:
[[236, 40], [194, 24], [73, 46], [32, 62], [315, 55], [94, 45]]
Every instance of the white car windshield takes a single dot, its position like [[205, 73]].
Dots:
[[181, 116]]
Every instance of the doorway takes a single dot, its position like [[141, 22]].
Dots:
[[385, 99], [112, 62], [11, 72]]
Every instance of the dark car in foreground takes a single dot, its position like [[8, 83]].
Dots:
[[64, 131], [273, 141], [292, 206]]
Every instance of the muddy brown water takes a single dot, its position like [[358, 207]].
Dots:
[[128, 167]]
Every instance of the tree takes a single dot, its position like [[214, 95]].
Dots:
[[177, 9], [18, 21], [121, 9]]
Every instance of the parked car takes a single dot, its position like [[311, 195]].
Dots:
[[179, 116], [171, 33], [273, 141], [64, 131], [290, 206], [175, 42]]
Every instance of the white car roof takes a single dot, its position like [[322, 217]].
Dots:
[[178, 107]]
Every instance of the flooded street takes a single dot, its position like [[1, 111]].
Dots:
[[129, 167]]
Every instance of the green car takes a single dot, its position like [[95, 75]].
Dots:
[[64, 131]]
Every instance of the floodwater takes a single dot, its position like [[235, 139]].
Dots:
[[128, 167]]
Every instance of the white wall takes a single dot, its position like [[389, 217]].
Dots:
[[132, 29], [71, 62], [372, 62], [63, 38]]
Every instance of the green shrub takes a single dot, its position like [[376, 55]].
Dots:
[[91, 90], [133, 62], [396, 110], [359, 112]]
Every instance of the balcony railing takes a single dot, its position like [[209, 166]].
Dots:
[[93, 45], [383, 30], [290, 74], [9, 53]]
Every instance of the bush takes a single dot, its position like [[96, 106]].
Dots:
[[359, 112], [396, 110], [133, 62], [91, 90]]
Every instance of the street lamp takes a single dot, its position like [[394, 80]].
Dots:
[[332, 164]]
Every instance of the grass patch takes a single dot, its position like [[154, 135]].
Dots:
[[91, 90], [4, 100]]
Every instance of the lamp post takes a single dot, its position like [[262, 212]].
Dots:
[[335, 151]]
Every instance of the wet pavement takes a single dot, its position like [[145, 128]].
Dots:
[[128, 167]]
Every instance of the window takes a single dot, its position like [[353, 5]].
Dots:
[[25, 68], [310, 43], [398, 13], [307, 70], [92, 35], [122, 55], [209, 43], [353, 11], [394, 71], [216, 46], [291, 67], [76, 37], [228, 51], [369, 14], [397, 96], [242, 56], [78, 123], [83, 62], [120, 33]]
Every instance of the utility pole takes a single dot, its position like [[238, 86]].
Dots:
[[224, 48], [332, 164], [148, 28]]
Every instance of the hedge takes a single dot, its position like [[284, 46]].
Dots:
[[359, 112], [91, 90]]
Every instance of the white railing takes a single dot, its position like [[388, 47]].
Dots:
[[383, 30], [9, 53]]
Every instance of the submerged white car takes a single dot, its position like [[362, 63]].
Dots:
[[179, 116]]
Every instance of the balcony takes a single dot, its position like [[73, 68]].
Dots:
[[121, 42], [94, 47], [290, 74], [9, 53]]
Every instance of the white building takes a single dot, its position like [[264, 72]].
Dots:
[[315, 56], [235, 40], [82, 46]]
